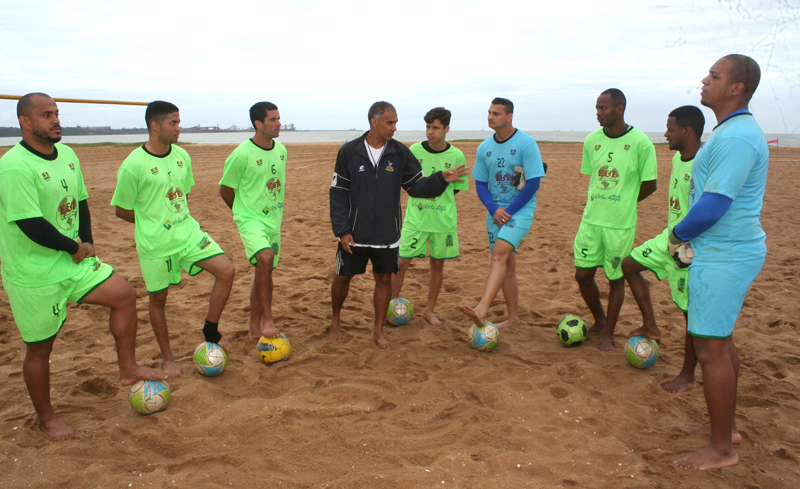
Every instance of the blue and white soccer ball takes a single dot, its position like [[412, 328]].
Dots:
[[400, 312]]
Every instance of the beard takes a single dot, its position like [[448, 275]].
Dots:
[[46, 136]]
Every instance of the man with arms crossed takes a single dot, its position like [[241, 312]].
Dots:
[[366, 212], [684, 129], [152, 192], [48, 257], [507, 173], [724, 225], [252, 186], [432, 221], [621, 161]]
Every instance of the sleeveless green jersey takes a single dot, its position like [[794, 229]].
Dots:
[[617, 167], [437, 215], [155, 188], [679, 183], [258, 176], [33, 185]]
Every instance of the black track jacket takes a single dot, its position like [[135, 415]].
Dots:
[[365, 201]]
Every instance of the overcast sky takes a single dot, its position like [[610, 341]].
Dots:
[[323, 63]]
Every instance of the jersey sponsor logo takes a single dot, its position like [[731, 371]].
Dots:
[[627, 147], [389, 167], [612, 198], [179, 163], [72, 166], [503, 179], [674, 205], [607, 177], [154, 170], [273, 188], [439, 208], [96, 265], [259, 162], [67, 212], [361, 168], [265, 210], [204, 243], [168, 224], [175, 199], [46, 176], [597, 147]]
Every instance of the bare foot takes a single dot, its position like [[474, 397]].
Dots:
[[679, 384], [171, 368], [128, 376], [606, 343], [269, 330], [432, 319], [335, 333], [380, 340], [254, 333], [596, 328], [653, 333], [473, 315], [708, 458], [705, 430], [508, 323], [225, 344], [56, 429]]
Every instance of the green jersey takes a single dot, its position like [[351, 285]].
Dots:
[[680, 181], [258, 176], [155, 188], [437, 215], [617, 166], [37, 185]]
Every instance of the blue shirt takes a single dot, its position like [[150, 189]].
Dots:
[[495, 162], [734, 163]]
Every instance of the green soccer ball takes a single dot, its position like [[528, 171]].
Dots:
[[210, 359], [572, 331], [149, 396], [400, 312]]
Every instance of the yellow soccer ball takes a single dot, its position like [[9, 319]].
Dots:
[[274, 350]]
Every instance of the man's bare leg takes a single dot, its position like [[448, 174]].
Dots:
[[616, 296], [641, 292], [158, 320], [261, 320], [117, 294], [381, 299], [223, 271], [434, 287], [339, 289], [36, 371], [399, 277], [497, 275], [685, 380], [720, 364], [511, 293], [591, 296]]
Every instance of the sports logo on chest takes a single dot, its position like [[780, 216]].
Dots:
[[627, 147], [687, 177], [259, 162], [273, 188], [513, 152], [67, 212], [597, 147], [607, 177], [175, 199], [390, 166], [179, 163], [72, 167], [46, 176], [154, 170], [488, 154]]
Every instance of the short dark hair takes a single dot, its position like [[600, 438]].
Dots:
[[156, 111], [258, 112], [745, 70], [691, 117], [378, 108], [438, 113], [617, 97], [25, 103], [507, 104]]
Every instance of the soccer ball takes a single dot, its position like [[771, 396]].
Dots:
[[274, 350], [210, 359], [572, 331], [149, 396], [485, 338], [641, 352], [400, 312]]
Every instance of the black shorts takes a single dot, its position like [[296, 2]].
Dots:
[[384, 260]]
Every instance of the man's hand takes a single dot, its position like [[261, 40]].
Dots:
[[347, 242], [680, 251], [501, 216], [454, 174], [84, 250]]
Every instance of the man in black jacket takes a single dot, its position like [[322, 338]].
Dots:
[[365, 210]]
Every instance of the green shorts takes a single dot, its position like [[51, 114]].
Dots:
[[653, 254], [601, 246], [160, 273], [41, 311], [256, 238], [440, 246]]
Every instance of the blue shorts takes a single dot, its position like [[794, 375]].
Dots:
[[716, 295], [512, 232]]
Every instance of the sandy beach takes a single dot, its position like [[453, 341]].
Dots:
[[430, 411]]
